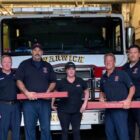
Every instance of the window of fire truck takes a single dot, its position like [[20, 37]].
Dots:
[[62, 35]]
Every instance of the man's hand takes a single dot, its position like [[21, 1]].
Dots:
[[31, 95], [83, 108], [102, 99], [126, 103], [54, 107]]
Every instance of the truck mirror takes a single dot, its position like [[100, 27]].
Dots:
[[130, 36]]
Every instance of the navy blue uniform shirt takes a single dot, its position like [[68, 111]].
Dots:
[[134, 74], [75, 90], [8, 89], [36, 75], [116, 86]]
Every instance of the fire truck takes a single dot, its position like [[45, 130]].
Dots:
[[82, 38]]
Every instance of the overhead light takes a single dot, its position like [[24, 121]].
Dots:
[[63, 10], [17, 32]]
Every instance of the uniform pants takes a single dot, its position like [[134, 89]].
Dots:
[[133, 119], [116, 124], [70, 118], [10, 119], [34, 111]]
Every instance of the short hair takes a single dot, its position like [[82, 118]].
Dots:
[[4, 56], [110, 54], [134, 46]]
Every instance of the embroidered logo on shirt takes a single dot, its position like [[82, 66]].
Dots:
[[45, 70], [78, 85], [135, 71], [116, 78], [2, 78]]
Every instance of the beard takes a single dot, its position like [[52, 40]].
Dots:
[[37, 57]]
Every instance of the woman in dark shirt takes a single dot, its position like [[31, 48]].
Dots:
[[70, 109]]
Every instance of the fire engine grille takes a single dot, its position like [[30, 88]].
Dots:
[[84, 73]]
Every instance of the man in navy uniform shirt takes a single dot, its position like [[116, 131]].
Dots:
[[70, 109], [133, 70], [10, 116], [35, 76], [116, 86]]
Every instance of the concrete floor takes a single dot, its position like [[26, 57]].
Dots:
[[97, 133]]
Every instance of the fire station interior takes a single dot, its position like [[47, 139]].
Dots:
[[128, 8], [68, 35]]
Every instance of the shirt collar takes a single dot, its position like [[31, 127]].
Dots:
[[136, 65], [68, 81], [4, 74], [114, 72], [41, 63]]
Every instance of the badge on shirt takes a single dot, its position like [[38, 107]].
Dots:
[[116, 78], [135, 71], [45, 70]]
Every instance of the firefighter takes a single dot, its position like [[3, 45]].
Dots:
[[133, 70], [70, 109], [35, 76], [10, 116], [116, 86]]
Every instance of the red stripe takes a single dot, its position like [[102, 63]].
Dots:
[[44, 95], [103, 105]]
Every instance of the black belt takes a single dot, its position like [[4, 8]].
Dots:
[[8, 102]]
